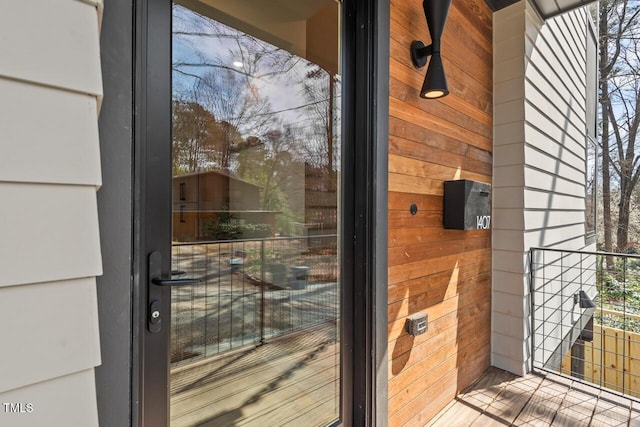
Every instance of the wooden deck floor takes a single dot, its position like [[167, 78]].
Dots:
[[291, 381], [503, 399]]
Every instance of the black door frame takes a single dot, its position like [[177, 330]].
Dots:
[[364, 206]]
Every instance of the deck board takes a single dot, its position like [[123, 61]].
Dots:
[[513, 398], [503, 399], [576, 409]]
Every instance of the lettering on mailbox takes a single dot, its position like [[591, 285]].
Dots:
[[483, 222]]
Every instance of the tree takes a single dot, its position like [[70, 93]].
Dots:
[[619, 68], [271, 164], [193, 136], [319, 88], [238, 108]]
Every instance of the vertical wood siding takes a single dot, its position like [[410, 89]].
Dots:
[[444, 273], [50, 86], [539, 159], [610, 360]]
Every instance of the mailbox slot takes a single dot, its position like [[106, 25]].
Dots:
[[467, 205]]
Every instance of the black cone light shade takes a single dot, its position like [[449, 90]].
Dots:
[[435, 81]]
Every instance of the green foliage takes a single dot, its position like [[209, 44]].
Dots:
[[614, 290], [619, 291], [270, 165], [224, 227], [255, 231]]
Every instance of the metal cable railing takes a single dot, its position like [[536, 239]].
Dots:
[[585, 317], [251, 291]]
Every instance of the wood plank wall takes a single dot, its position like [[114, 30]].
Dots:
[[444, 273]]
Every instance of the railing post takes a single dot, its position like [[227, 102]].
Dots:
[[624, 321], [531, 296], [601, 282], [262, 262], [562, 303]]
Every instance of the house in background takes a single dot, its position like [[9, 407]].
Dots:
[[85, 179], [202, 208]]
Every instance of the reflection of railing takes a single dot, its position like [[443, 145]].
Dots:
[[593, 337], [251, 290]]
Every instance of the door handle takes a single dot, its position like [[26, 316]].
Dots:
[[174, 282], [155, 283], [155, 273]]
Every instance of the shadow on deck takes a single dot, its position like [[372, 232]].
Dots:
[[500, 398]]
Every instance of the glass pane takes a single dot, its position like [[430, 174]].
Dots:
[[256, 180]]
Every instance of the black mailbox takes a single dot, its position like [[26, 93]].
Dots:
[[467, 205]]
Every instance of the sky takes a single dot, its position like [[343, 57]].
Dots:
[[215, 43]]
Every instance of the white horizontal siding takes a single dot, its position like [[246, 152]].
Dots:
[[50, 86], [53, 331], [509, 112], [511, 24], [509, 219], [507, 325], [509, 348], [542, 133], [569, 172], [507, 240], [537, 199], [508, 133], [51, 42], [549, 120], [556, 183], [540, 87], [546, 149], [64, 401], [509, 90], [49, 232], [510, 262], [50, 135], [506, 196], [565, 236], [511, 154], [511, 174], [547, 218], [539, 168]]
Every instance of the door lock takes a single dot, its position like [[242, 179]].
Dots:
[[155, 319], [154, 290]]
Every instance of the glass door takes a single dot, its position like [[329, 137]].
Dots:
[[256, 119]]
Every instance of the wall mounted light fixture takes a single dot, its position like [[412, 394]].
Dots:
[[435, 81], [583, 299]]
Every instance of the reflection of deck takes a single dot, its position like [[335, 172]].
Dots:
[[290, 381]]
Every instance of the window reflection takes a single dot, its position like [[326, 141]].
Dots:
[[256, 179]]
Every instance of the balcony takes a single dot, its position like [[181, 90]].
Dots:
[[584, 348], [586, 318], [500, 398]]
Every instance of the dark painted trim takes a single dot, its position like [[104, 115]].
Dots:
[[152, 202], [366, 35], [113, 376], [381, 207]]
